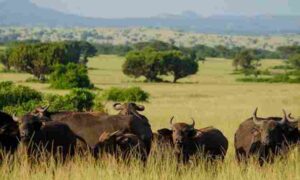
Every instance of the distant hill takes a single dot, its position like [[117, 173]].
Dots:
[[25, 13]]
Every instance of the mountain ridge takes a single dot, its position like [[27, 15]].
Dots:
[[26, 13]]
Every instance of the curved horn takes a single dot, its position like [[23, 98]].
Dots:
[[291, 119], [284, 117], [15, 118], [193, 125], [171, 121], [140, 107], [118, 106], [254, 118]]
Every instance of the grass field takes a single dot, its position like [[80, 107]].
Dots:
[[212, 98]]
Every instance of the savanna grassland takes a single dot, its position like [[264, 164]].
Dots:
[[212, 97]]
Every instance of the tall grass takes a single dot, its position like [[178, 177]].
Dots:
[[161, 165]]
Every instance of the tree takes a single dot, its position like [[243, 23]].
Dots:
[[40, 58], [151, 64], [247, 61], [295, 61], [244, 60], [178, 65], [146, 62], [4, 60], [156, 45], [287, 51], [70, 76]]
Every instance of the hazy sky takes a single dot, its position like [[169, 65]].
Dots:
[[146, 8]]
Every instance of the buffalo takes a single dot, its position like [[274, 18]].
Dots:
[[121, 144], [90, 125], [265, 137], [163, 138], [53, 137], [9, 133], [188, 141]]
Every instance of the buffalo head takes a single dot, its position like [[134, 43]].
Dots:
[[180, 132], [271, 132], [128, 108], [28, 126]]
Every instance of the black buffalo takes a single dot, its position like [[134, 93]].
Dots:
[[9, 133], [53, 137], [265, 137], [90, 126], [121, 144], [210, 143]]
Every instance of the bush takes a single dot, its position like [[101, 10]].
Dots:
[[21, 109], [279, 78], [20, 100], [134, 94], [70, 76], [81, 99], [77, 100], [12, 95], [98, 105], [58, 103]]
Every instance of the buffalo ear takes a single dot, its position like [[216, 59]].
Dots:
[[165, 132]]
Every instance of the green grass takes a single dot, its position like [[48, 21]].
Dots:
[[212, 97]]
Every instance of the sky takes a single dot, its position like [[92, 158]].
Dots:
[[148, 8]]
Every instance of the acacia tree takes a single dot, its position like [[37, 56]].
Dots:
[[247, 61], [151, 64], [178, 65], [146, 62]]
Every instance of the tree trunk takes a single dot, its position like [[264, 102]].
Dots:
[[175, 79]]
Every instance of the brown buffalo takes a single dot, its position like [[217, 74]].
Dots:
[[9, 133], [188, 141], [89, 125], [163, 138], [53, 137], [121, 144], [264, 137]]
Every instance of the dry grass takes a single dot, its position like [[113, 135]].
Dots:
[[212, 97]]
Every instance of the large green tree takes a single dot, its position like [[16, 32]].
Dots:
[[146, 62], [40, 58], [151, 64], [178, 65]]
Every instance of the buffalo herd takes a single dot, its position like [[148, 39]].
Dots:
[[129, 135]]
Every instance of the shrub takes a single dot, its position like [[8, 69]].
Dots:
[[70, 76], [134, 94], [77, 100], [81, 99], [98, 105], [20, 100], [23, 108], [58, 103], [13, 95]]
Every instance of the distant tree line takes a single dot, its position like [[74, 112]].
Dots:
[[200, 52]]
